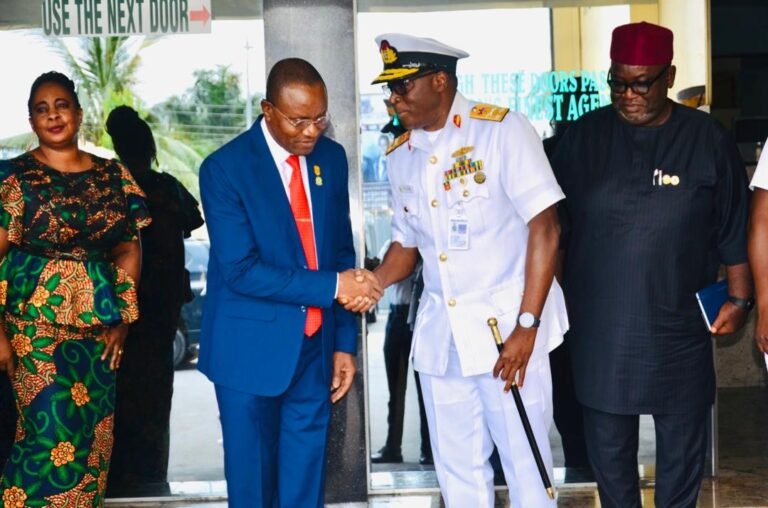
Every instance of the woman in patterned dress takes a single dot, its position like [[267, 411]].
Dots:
[[71, 260]]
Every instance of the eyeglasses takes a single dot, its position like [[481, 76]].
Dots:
[[401, 87], [302, 124], [638, 87]]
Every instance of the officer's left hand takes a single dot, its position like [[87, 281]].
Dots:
[[730, 319], [513, 359]]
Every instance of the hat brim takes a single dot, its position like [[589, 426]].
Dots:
[[395, 74]]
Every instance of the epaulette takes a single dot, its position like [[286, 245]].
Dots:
[[399, 141], [488, 112]]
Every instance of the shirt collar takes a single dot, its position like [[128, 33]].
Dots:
[[279, 154], [460, 106]]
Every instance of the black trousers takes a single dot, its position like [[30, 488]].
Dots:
[[681, 448], [397, 347], [139, 464], [8, 417], [567, 409]]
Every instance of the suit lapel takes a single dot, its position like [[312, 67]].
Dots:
[[318, 193], [267, 178]]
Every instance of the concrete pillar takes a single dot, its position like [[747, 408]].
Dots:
[[566, 39], [323, 33], [689, 20]]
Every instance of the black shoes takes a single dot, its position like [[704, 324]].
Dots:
[[385, 456]]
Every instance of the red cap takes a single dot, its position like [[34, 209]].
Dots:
[[641, 44]]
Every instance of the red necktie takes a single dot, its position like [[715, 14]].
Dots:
[[300, 209]]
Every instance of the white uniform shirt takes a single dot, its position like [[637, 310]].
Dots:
[[760, 178], [463, 288]]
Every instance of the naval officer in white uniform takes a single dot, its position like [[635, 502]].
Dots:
[[474, 194]]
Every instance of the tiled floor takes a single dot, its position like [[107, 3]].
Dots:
[[742, 481], [742, 491]]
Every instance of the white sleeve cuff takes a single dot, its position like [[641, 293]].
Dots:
[[336, 293]]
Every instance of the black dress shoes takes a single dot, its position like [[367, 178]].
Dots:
[[385, 456], [426, 459]]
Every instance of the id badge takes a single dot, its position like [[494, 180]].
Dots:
[[458, 238]]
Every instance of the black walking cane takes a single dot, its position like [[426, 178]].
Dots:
[[493, 324]]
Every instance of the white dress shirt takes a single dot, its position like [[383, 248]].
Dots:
[[760, 178], [280, 156]]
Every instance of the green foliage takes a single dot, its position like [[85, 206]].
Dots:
[[104, 71], [186, 127], [209, 113]]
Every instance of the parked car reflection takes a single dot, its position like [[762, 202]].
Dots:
[[188, 335]]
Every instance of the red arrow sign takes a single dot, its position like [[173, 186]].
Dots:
[[202, 15]]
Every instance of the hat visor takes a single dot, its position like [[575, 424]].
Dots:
[[395, 74]]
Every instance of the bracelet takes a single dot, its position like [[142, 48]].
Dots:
[[743, 303]]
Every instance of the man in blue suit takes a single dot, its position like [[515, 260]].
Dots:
[[275, 342]]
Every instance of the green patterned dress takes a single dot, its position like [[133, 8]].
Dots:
[[59, 292]]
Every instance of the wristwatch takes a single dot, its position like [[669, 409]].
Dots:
[[528, 320], [744, 303]]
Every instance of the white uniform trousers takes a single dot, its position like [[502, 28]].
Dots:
[[467, 415]]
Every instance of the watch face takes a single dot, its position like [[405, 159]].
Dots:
[[526, 320]]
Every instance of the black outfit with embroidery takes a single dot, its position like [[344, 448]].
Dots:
[[650, 214]]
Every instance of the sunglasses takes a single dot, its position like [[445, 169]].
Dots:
[[401, 87]]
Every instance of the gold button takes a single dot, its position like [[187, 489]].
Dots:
[[443, 256], [451, 303], [434, 203], [433, 160], [463, 181], [465, 193]]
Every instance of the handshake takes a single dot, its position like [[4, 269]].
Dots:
[[359, 290]]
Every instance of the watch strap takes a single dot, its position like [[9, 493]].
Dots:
[[536, 320], [744, 303]]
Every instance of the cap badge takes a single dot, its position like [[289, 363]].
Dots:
[[388, 53]]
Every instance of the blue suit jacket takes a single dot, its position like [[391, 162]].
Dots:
[[258, 283]]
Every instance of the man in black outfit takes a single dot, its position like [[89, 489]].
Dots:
[[656, 201]]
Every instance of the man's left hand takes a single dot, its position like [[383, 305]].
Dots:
[[513, 359], [730, 319], [343, 373]]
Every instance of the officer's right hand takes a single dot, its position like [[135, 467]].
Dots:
[[359, 290], [514, 357]]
